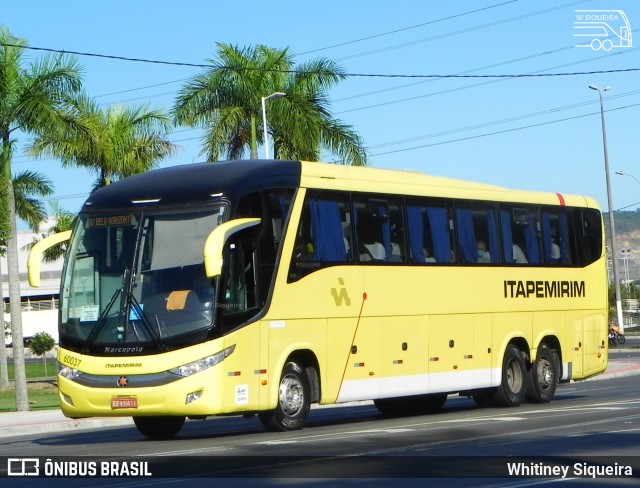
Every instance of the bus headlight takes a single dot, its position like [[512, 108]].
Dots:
[[202, 364], [67, 372]]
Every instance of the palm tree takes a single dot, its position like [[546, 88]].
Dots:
[[226, 101], [115, 142], [63, 220], [27, 185], [30, 101]]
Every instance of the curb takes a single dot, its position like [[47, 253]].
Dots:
[[23, 427]]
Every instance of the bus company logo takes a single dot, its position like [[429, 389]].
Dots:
[[122, 381], [602, 29], [123, 365], [342, 296], [23, 467]]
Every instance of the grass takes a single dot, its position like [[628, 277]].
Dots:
[[35, 369], [41, 388]]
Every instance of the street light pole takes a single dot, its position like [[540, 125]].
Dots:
[[624, 256], [264, 119], [612, 225], [627, 174]]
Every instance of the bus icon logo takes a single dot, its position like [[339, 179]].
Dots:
[[602, 29], [341, 296], [23, 467]]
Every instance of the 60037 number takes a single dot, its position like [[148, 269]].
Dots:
[[71, 361]]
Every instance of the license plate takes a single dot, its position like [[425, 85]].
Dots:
[[124, 402]]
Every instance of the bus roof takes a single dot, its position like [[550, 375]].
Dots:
[[199, 183], [407, 182], [196, 183]]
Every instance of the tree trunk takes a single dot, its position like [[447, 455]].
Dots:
[[4, 371], [22, 400]]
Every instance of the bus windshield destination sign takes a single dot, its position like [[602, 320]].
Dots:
[[110, 220]]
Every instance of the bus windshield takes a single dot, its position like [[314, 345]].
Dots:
[[135, 281]]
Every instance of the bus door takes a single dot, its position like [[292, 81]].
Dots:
[[589, 337], [238, 303]]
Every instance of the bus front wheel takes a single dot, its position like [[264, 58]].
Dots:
[[294, 401], [161, 427], [511, 391]]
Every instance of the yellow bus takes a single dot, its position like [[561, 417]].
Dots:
[[263, 287]]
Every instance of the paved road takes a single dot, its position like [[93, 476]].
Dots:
[[623, 361]]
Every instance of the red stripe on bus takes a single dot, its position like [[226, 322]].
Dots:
[[561, 198]]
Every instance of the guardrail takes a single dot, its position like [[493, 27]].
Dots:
[[36, 305]]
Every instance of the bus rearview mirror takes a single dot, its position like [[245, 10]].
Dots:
[[214, 244], [35, 255]]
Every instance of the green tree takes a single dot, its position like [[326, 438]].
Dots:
[[226, 100], [114, 142], [31, 101], [40, 344], [63, 220], [29, 188], [27, 185]]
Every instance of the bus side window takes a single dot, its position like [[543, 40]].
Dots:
[[371, 219], [239, 284], [590, 238], [379, 229], [272, 207], [321, 239], [397, 234], [522, 225], [477, 231], [429, 231], [555, 237]]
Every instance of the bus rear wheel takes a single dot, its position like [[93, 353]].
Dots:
[[511, 391], [542, 377], [294, 401], [161, 427]]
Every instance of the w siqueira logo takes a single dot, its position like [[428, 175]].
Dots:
[[341, 296], [602, 29]]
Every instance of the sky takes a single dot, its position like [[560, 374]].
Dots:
[[426, 86]]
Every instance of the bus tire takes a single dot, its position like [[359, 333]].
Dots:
[[511, 391], [484, 398], [542, 377], [161, 427], [294, 401], [434, 402]]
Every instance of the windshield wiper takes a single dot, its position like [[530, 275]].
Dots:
[[155, 336], [102, 320]]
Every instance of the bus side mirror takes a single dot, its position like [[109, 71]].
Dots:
[[214, 245], [35, 255]]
